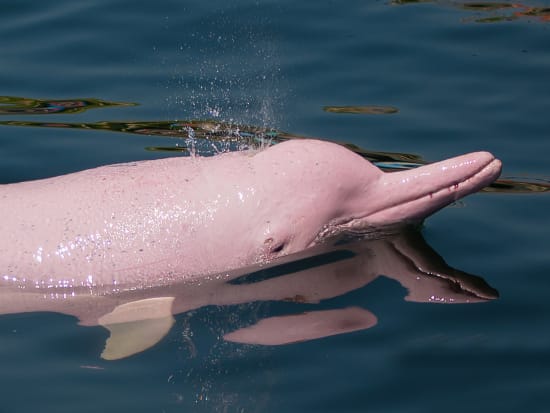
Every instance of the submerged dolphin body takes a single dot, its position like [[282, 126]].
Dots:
[[147, 225]]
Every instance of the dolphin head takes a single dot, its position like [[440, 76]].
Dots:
[[412, 195], [324, 189]]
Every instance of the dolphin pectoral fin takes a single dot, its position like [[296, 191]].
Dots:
[[303, 327], [136, 326], [134, 337]]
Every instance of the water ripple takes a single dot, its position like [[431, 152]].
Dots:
[[227, 135]]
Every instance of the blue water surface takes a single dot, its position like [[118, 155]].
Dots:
[[463, 78]]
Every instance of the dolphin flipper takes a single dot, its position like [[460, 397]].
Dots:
[[136, 326]]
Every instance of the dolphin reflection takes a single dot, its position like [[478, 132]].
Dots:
[[138, 317], [403, 256]]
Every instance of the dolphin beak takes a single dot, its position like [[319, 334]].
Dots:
[[414, 194]]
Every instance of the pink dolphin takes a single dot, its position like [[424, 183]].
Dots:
[[153, 222]]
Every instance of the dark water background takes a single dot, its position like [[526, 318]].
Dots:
[[462, 77]]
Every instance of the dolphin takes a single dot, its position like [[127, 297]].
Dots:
[[87, 243]]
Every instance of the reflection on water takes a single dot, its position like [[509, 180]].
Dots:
[[403, 256], [208, 137], [494, 12], [139, 317], [506, 12], [308, 296], [363, 110], [198, 129], [307, 289], [12, 105], [518, 185]]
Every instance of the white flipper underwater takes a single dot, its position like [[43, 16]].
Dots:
[[136, 326]]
